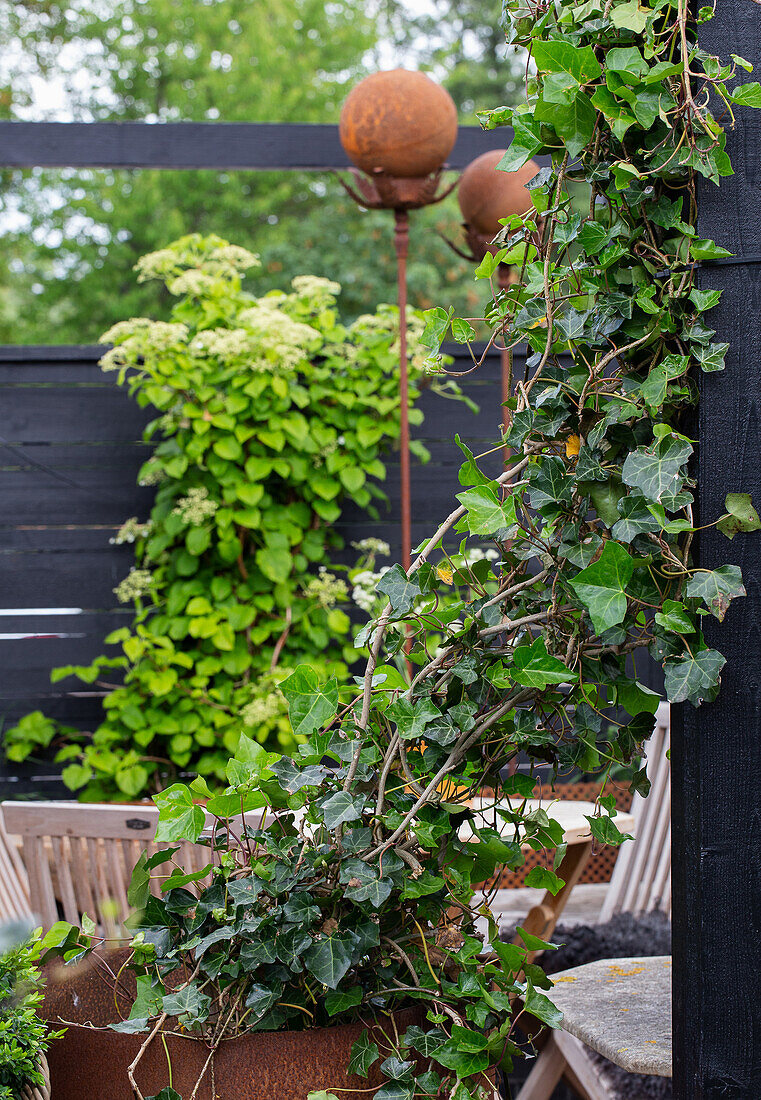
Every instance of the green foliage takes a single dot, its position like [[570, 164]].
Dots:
[[24, 1037], [339, 903], [270, 415]]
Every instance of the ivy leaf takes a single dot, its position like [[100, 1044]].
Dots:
[[134, 1026], [364, 1053], [462, 331], [165, 1094], [339, 1000], [292, 779], [463, 1062], [674, 617], [557, 56], [486, 514], [707, 250], [363, 883], [400, 589], [139, 887], [630, 16], [655, 386], [436, 325], [340, 808], [542, 1007], [412, 717], [717, 588], [188, 1004], [574, 122], [261, 998], [395, 1090], [704, 299], [544, 879], [656, 470], [525, 144], [693, 678], [711, 358], [741, 515], [328, 960], [605, 830], [601, 587], [637, 519], [747, 95], [534, 667], [636, 699], [310, 704]]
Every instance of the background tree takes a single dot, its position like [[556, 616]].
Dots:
[[70, 239]]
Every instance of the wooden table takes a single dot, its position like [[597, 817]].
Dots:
[[621, 1008], [572, 816]]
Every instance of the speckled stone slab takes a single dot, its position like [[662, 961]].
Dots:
[[622, 1009]]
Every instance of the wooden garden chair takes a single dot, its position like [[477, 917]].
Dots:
[[79, 858]]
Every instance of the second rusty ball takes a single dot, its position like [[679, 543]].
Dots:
[[486, 194]]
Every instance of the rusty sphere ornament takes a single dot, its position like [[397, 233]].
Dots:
[[400, 123], [486, 194]]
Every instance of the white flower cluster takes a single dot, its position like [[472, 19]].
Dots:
[[365, 584], [373, 546], [196, 506], [316, 290], [135, 584], [386, 320], [151, 475], [476, 554], [235, 256], [139, 337], [327, 589], [263, 710], [282, 342], [226, 343], [211, 255], [193, 282], [130, 530]]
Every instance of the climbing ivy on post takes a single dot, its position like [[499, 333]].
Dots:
[[629, 111]]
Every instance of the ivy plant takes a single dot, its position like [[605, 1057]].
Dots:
[[271, 415], [354, 887]]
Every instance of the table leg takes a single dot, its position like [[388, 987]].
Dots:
[[541, 920]]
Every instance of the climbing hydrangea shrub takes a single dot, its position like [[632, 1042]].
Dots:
[[271, 414]]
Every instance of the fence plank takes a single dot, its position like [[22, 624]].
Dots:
[[211, 145]]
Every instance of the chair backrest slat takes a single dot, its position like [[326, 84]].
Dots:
[[641, 878], [14, 882]]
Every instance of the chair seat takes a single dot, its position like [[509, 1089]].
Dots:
[[622, 1009]]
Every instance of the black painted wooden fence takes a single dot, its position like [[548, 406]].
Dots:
[[69, 454]]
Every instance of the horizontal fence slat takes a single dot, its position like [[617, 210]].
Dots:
[[259, 146]]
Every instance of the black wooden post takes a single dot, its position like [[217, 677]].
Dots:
[[716, 749]]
